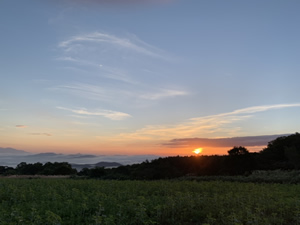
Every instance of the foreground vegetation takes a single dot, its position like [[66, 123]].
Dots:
[[263, 191], [259, 176], [69, 201]]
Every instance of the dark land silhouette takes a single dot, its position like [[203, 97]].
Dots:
[[283, 153]]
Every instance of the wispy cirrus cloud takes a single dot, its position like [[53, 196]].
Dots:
[[262, 108], [113, 115], [79, 43], [163, 94], [112, 94], [41, 134], [101, 54], [21, 126], [105, 71], [201, 126], [244, 113], [118, 61], [75, 60], [94, 92]]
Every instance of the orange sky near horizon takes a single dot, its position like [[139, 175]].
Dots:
[[99, 147], [144, 142], [23, 137]]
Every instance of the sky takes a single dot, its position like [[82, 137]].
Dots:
[[148, 77]]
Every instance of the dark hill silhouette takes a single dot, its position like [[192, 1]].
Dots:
[[283, 153], [12, 151], [46, 154]]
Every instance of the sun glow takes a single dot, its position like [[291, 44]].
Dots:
[[197, 151]]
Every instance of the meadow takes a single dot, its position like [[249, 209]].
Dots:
[[93, 202]]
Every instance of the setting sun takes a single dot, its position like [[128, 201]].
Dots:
[[197, 151]]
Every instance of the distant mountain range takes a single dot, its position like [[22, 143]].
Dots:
[[12, 157], [12, 151]]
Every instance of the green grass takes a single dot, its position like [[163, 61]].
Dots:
[[258, 176], [80, 202]]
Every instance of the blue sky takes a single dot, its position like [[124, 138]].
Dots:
[[125, 77]]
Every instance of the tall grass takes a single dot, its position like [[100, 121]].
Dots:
[[92, 202]]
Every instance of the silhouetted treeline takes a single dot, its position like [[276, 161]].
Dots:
[[57, 168], [172, 167], [282, 153]]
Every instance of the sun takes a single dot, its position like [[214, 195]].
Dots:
[[197, 151]]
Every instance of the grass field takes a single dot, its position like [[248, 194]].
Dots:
[[80, 202]]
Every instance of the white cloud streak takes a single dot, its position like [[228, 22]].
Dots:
[[93, 92], [248, 110], [113, 115], [75, 60], [96, 54], [133, 44], [41, 134], [21, 126], [103, 71], [256, 109], [201, 126], [164, 94], [111, 94]]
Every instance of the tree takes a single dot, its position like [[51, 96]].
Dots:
[[58, 168], [238, 151], [97, 172], [293, 156], [239, 161], [276, 149]]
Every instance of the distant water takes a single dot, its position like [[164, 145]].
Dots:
[[14, 159]]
